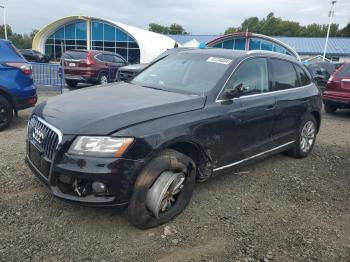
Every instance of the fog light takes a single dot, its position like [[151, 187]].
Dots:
[[99, 187]]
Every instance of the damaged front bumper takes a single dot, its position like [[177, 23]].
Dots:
[[71, 178]]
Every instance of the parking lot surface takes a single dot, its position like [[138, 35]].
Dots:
[[279, 209]]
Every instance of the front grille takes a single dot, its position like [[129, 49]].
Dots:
[[126, 75], [45, 137]]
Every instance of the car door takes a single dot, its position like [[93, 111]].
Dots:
[[247, 121], [289, 84]]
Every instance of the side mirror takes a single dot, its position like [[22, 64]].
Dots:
[[235, 92]]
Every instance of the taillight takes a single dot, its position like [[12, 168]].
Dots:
[[89, 59], [24, 67]]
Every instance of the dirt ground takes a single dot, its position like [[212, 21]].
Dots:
[[280, 209]]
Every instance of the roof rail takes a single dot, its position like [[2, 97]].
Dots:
[[270, 52]]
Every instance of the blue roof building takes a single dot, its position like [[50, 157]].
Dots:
[[338, 48]]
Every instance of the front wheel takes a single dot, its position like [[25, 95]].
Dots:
[[162, 190], [305, 139], [6, 113]]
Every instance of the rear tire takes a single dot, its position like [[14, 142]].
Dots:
[[306, 138], [168, 161], [6, 113], [329, 108], [71, 83]]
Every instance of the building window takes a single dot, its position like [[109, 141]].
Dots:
[[104, 36], [261, 44], [111, 38]]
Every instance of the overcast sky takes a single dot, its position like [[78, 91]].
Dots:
[[197, 16]]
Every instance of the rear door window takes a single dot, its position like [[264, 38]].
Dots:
[[304, 80], [284, 74]]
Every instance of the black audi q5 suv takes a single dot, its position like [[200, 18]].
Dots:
[[192, 115]]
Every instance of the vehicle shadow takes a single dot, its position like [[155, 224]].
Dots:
[[20, 122], [340, 114]]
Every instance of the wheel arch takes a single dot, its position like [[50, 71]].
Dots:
[[317, 116], [196, 152], [9, 97]]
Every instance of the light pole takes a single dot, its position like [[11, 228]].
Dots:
[[331, 14]]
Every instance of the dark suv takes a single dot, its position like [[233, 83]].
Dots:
[[190, 116], [34, 56], [95, 67]]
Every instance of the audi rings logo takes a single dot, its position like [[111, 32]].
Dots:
[[38, 135]]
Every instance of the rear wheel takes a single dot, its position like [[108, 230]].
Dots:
[[306, 138], [103, 79], [162, 190], [6, 113], [72, 83], [329, 108]]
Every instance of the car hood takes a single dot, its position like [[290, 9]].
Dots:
[[105, 110], [136, 67]]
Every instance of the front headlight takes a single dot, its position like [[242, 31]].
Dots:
[[100, 146]]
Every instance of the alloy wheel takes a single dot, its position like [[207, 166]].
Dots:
[[104, 80], [307, 136]]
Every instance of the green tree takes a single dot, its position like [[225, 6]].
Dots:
[[231, 30], [2, 31], [21, 41], [176, 29], [173, 29], [251, 24], [153, 27], [276, 26], [345, 31]]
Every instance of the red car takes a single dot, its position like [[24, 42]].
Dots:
[[337, 93], [95, 67]]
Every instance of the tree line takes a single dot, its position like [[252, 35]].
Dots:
[[269, 25], [21, 41]]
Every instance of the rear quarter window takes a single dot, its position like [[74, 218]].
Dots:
[[304, 79], [344, 71], [284, 75], [75, 55]]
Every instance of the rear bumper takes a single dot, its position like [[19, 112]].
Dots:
[[26, 102], [336, 99]]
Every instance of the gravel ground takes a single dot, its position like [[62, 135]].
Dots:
[[280, 209]]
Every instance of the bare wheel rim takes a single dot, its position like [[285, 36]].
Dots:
[[104, 80], [163, 194], [307, 136]]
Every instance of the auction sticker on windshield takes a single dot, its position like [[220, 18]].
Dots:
[[219, 60]]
